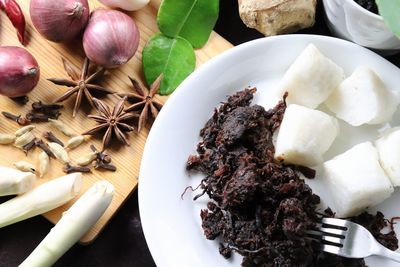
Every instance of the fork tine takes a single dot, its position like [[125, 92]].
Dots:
[[334, 240], [332, 231], [335, 222], [330, 249]]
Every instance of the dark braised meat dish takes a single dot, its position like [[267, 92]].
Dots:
[[259, 207]]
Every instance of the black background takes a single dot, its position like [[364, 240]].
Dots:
[[122, 242]]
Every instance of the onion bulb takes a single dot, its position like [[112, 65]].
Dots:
[[19, 71], [59, 20], [111, 38], [129, 5]]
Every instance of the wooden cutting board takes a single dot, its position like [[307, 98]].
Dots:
[[48, 54]]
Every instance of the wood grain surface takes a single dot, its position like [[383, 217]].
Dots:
[[48, 54]]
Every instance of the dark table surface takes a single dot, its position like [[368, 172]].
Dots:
[[122, 242]]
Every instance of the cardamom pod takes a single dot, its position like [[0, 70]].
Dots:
[[44, 162], [58, 151], [24, 139], [6, 139], [62, 127], [86, 159], [24, 129], [75, 141], [25, 166]]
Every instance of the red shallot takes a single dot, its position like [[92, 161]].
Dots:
[[19, 71], [111, 38], [59, 20]]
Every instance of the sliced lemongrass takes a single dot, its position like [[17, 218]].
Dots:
[[41, 199], [74, 223], [58, 151], [24, 129], [75, 141], [62, 127], [6, 139], [24, 139], [25, 166], [44, 163], [13, 182], [86, 159]]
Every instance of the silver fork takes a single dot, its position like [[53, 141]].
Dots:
[[350, 240]]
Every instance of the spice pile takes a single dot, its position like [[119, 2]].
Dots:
[[261, 208]]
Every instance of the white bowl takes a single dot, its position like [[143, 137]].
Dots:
[[348, 20]]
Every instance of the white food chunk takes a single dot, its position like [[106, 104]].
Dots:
[[363, 98], [311, 78], [356, 180], [389, 154], [305, 135]]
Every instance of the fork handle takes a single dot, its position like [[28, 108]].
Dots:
[[387, 253]]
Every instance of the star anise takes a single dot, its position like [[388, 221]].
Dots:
[[143, 100], [113, 122], [82, 84]]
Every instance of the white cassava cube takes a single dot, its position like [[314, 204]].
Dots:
[[311, 78], [356, 180], [305, 135], [389, 154], [363, 98]]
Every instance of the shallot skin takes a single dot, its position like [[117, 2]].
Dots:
[[111, 38], [59, 20], [129, 5], [19, 71]]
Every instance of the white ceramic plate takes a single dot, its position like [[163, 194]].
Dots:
[[172, 226]]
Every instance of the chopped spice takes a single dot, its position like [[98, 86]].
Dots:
[[70, 169], [81, 84], [29, 145], [17, 118], [52, 138], [106, 166], [143, 101], [37, 117], [112, 122], [40, 144], [14, 13], [259, 207]]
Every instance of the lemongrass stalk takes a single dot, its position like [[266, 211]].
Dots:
[[41, 199], [13, 182], [73, 225]]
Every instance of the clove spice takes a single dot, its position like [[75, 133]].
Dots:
[[36, 117], [106, 166], [52, 138], [17, 118], [70, 169], [29, 145], [40, 144], [101, 156], [45, 108]]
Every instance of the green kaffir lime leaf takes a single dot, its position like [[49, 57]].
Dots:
[[191, 19], [174, 57], [390, 11]]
